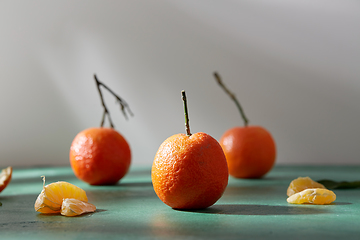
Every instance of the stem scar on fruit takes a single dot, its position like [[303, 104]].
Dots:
[[123, 104], [232, 96]]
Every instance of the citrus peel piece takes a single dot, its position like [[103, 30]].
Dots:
[[302, 183], [5, 177]]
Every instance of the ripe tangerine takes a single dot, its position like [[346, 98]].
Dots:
[[100, 156], [250, 151], [189, 170]]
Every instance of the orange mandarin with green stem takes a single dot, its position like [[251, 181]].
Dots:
[[101, 155], [189, 170], [250, 150]]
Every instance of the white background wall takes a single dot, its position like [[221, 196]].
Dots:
[[294, 65]]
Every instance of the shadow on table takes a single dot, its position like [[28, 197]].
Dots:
[[249, 209]]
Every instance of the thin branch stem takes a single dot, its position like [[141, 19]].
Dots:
[[123, 104], [232, 96], [187, 126]]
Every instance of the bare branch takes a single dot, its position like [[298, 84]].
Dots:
[[232, 96], [123, 105]]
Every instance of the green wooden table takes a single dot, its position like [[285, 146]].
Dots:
[[249, 209]]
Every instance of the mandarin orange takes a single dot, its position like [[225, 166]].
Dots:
[[100, 156], [250, 150], [189, 170]]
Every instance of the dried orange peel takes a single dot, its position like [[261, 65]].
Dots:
[[304, 190], [302, 183], [52, 198], [318, 196]]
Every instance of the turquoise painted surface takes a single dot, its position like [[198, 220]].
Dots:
[[249, 209]]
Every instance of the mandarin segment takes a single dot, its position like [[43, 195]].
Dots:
[[44, 205], [51, 197], [317, 196], [73, 207], [302, 183]]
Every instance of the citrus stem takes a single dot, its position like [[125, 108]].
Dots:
[[123, 104], [232, 96], [187, 126]]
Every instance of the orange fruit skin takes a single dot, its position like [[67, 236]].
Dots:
[[250, 151], [189, 172], [100, 156]]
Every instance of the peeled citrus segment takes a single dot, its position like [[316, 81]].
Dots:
[[5, 177], [317, 196], [73, 207], [302, 183], [46, 209], [51, 197]]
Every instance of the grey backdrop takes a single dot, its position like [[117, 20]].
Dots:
[[294, 65]]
